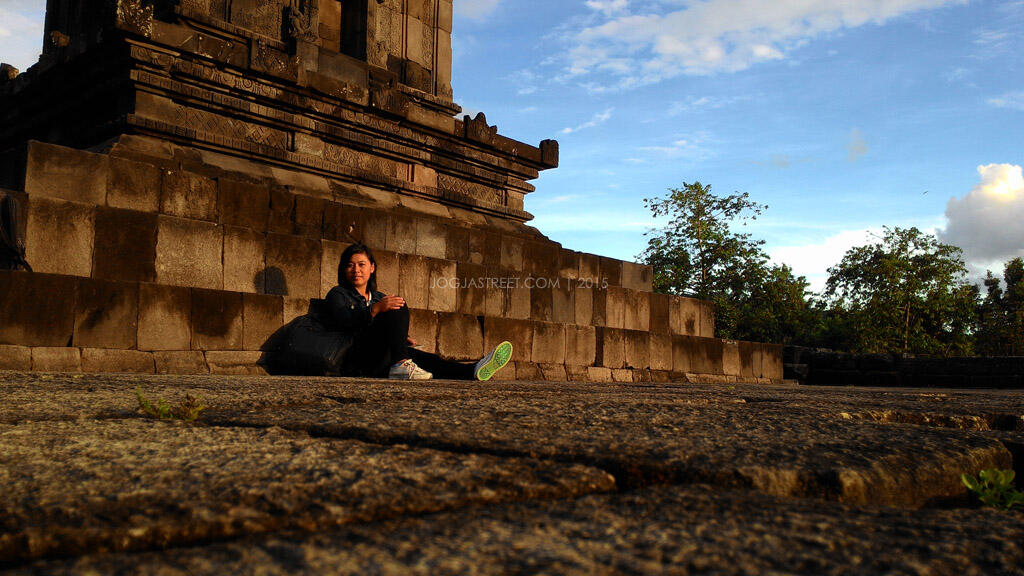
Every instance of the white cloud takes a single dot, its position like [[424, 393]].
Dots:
[[812, 260], [475, 9], [1013, 100], [856, 147], [608, 7], [21, 32], [708, 36], [986, 222], [692, 146], [599, 118], [694, 103]]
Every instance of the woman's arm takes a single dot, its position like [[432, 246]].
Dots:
[[346, 311]]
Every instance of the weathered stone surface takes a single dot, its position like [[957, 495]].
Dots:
[[204, 483], [125, 245], [459, 337], [180, 362], [217, 318], [134, 185], [423, 327], [165, 321], [106, 314], [54, 359], [117, 361], [549, 343], [37, 309], [234, 362], [414, 280], [611, 348], [580, 345], [518, 332], [189, 253], [15, 358], [245, 264], [298, 260], [65, 173], [188, 195], [243, 204], [442, 288], [262, 315], [59, 236]]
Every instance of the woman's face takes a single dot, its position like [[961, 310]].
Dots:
[[358, 271]]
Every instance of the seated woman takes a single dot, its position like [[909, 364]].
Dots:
[[378, 325]]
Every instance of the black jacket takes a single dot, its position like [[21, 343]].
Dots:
[[345, 310]]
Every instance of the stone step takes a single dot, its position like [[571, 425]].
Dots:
[[60, 322], [73, 192]]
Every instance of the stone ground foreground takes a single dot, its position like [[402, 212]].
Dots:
[[338, 476]]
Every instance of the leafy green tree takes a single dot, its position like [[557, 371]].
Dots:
[[906, 293], [1000, 329], [700, 254]]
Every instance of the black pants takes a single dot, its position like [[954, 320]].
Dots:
[[384, 344]]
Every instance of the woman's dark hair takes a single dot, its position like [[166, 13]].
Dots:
[[346, 257]]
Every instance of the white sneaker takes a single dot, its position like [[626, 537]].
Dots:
[[408, 370], [493, 362]]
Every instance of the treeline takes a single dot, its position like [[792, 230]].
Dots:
[[905, 293]]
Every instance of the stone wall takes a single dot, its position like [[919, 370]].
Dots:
[[827, 368]]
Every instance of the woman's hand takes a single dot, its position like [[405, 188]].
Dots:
[[411, 342], [387, 304]]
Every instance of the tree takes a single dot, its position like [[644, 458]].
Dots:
[[1000, 330], [699, 254], [906, 293]]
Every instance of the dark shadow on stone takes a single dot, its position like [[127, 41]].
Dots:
[[271, 281]]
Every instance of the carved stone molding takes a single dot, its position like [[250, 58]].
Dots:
[[135, 16], [477, 129]]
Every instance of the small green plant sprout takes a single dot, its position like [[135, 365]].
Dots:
[[995, 488], [188, 410]]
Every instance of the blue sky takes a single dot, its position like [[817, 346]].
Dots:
[[842, 116]]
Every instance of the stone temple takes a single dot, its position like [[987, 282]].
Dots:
[[187, 173]]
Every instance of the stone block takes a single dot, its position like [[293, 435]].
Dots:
[[731, 363], [295, 307], [638, 277], [492, 250], [615, 311], [624, 375], [444, 15], [518, 332], [106, 314], [134, 185], [495, 301], [234, 363], [599, 374], [568, 264], [553, 372], [262, 315], [583, 302], [59, 236], [580, 345], [65, 173], [401, 234], [189, 253], [460, 337], [188, 195], [332, 223], [661, 352], [638, 349], [15, 358], [771, 361], [47, 359], [216, 320], [472, 293], [519, 301], [541, 301], [610, 271], [125, 245], [243, 204], [477, 247], [611, 348], [541, 260], [423, 327], [590, 269], [576, 373], [373, 229], [528, 371], [660, 319], [414, 280], [431, 238], [181, 362], [298, 259], [707, 319], [245, 265], [387, 271], [457, 244], [684, 348], [684, 316], [511, 253], [96, 360], [442, 291], [164, 318], [282, 211], [37, 309], [637, 314], [563, 305], [309, 217], [599, 310], [549, 343], [708, 357], [330, 257]]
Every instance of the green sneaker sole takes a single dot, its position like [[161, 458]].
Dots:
[[494, 361]]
